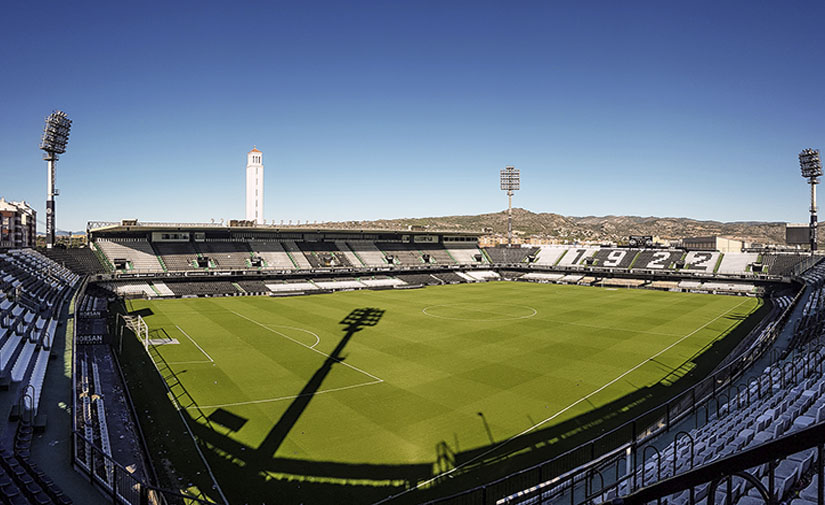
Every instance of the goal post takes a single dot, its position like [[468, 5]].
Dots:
[[135, 324], [143, 331]]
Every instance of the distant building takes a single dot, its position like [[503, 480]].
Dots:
[[255, 186], [712, 243], [18, 224]]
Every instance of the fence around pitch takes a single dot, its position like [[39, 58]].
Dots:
[[612, 447]]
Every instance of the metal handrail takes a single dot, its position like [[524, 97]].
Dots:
[[737, 464]]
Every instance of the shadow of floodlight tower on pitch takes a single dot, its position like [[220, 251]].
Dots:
[[355, 321]]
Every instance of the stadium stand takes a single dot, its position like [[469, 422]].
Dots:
[[81, 260], [403, 254], [176, 256], [200, 288], [339, 284], [733, 287], [351, 257], [297, 256], [131, 289], [437, 254], [449, 277], [252, 286], [38, 288], [465, 254], [273, 254], [577, 256], [381, 281], [781, 264], [291, 287], [483, 275], [368, 252], [323, 254], [690, 285], [550, 254], [542, 277], [658, 259], [736, 263], [622, 283], [511, 254], [419, 279], [702, 261], [162, 289], [226, 254], [137, 252], [615, 258]]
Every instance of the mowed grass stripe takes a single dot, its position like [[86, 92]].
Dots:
[[439, 373]]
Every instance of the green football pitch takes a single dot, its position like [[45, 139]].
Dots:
[[385, 377]]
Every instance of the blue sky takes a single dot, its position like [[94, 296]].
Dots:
[[384, 109]]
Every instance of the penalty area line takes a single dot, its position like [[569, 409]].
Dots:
[[281, 398], [311, 348], [560, 412]]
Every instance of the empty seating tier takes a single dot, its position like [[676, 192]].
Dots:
[[177, 256], [369, 254], [137, 254], [227, 255], [515, 254], [273, 254], [81, 260], [402, 254], [737, 263], [657, 259], [615, 258]]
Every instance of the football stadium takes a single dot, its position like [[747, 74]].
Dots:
[[234, 364], [163, 356]]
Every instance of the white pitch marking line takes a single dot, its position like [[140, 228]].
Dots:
[[317, 338], [565, 409], [196, 344], [186, 362], [378, 379], [611, 329], [271, 400], [424, 310]]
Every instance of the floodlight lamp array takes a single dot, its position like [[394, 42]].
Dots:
[[810, 163], [56, 133], [510, 179]]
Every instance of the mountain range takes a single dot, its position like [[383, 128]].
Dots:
[[591, 228]]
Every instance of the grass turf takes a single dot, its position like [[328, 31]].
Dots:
[[454, 365]]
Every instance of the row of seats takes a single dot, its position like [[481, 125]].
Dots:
[[91, 418], [35, 288], [81, 260]]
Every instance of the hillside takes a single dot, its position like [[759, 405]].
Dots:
[[605, 228]]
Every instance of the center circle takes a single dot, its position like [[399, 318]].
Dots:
[[480, 311]]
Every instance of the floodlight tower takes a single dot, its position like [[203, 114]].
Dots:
[[55, 138], [811, 166], [510, 180]]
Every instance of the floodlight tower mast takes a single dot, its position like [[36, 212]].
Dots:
[[811, 166], [510, 181], [54, 140]]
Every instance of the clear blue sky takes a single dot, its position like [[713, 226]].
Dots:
[[379, 109]]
